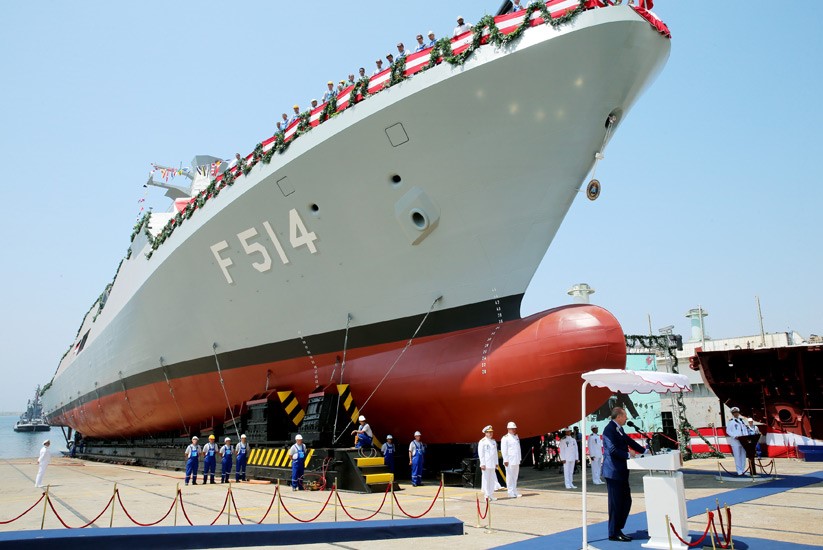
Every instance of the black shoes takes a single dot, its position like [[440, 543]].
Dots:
[[621, 538]]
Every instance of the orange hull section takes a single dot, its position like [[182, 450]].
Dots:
[[448, 386]]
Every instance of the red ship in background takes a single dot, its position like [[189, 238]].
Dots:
[[780, 387]]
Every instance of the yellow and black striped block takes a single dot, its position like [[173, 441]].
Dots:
[[347, 400], [291, 406]]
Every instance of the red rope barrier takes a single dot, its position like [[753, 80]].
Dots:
[[771, 467], [48, 499], [700, 541], [223, 509], [723, 528], [305, 520], [731, 474], [440, 488], [368, 517], [479, 513], [237, 513], [183, 508], [42, 496], [220, 513], [128, 515]]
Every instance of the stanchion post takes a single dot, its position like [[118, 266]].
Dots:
[[277, 490], [392, 496], [731, 539], [477, 500], [176, 499], [711, 533], [334, 498], [228, 506], [443, 492], [45, 506], [669, 530], [113, 496], [489, 527]]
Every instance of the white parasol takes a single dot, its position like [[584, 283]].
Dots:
[[624, 381]]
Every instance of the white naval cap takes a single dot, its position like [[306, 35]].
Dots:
[[511, 425], [488, 428], [735, 410]]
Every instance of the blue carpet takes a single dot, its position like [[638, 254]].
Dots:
[[636, 524], [228, 536]]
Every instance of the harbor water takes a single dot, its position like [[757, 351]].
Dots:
[[26, 444]]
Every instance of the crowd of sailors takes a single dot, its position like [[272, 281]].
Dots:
[[422, 43]]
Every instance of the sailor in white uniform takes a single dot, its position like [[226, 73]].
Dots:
[[596, 455], [43, 461], [487, 453], [510, 448], [568, 456], [735, 428]]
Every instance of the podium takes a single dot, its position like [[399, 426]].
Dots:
[[749, 444], [665, 495]]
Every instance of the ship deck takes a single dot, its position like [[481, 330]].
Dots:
[[782, 514]]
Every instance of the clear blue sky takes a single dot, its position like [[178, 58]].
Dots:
[[710, 190]]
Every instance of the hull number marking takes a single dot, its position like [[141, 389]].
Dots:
[[257, 251]]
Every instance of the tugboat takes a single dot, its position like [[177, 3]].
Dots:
[[33, 420]]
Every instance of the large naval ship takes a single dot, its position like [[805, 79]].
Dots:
[[380, 247]]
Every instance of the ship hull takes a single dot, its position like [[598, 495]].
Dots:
[[439, 195], [445, 385]]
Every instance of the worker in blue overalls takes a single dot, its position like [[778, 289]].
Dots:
[[209, 459], [417, 452], [193, 452], [388, 453], [364, 434], [242, 455], [297, 452], [225, 465]]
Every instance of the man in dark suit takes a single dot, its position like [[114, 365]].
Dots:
[[616, 446]]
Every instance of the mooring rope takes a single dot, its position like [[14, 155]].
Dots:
[[408, 345], [173, 398], [223, 385], [342, 368]]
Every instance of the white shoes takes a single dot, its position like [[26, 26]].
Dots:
[[571, 486], [491, 498]]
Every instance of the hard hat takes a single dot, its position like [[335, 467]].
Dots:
[[243, 436], [488, 429], [298, 436], [389, 437], [211, 436], [361, 418], [227, 439], [194, 438], [330, 82], [511, 425], [296, 107], [417, 433]]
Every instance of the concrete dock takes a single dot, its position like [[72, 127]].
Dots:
[[784, 513]]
